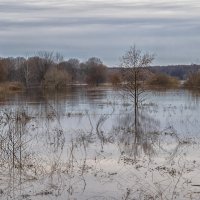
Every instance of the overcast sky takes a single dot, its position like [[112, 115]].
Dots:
[[106, 29]]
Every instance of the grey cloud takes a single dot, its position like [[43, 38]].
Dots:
[[104, 28], [110, 21], [13, 8]]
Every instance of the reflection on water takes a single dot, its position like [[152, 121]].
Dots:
[[81, 144]]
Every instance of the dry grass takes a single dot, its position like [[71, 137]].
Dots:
[[193, 81], [10, 87]]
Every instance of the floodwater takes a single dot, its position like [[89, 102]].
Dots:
[[80, 144]]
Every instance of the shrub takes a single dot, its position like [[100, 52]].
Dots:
[[11, 87], [115, 79], [163, 80], [15, 86], [56, 78], [193, 80]]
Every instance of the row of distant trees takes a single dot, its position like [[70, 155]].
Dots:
[[47, 68], [50, 69], [181, 72]]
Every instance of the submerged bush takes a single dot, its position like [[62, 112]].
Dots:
[[115, 79], [163, 80], [193, 80], [11, 86], [56, 78]]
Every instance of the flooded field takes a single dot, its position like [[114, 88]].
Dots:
[[81, 144]]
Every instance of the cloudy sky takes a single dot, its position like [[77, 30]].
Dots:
[[168, 28]]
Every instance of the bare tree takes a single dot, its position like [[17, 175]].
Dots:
[[3, 71], [133, 62], [95, 71], [71, 67], [26, 71], [58, 58], [43, 61]]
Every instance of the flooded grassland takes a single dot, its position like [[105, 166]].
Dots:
[[81, 144]]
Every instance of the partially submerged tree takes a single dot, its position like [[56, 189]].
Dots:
[[95, 71], [133, 62], [71, 67], [56, 78]]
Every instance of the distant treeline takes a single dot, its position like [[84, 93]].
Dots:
[[49, 69], [181, 72]]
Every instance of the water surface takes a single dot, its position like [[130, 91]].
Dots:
[[80, 144]]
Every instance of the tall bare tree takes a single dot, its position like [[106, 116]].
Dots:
[[26, 72], [133, 63]]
